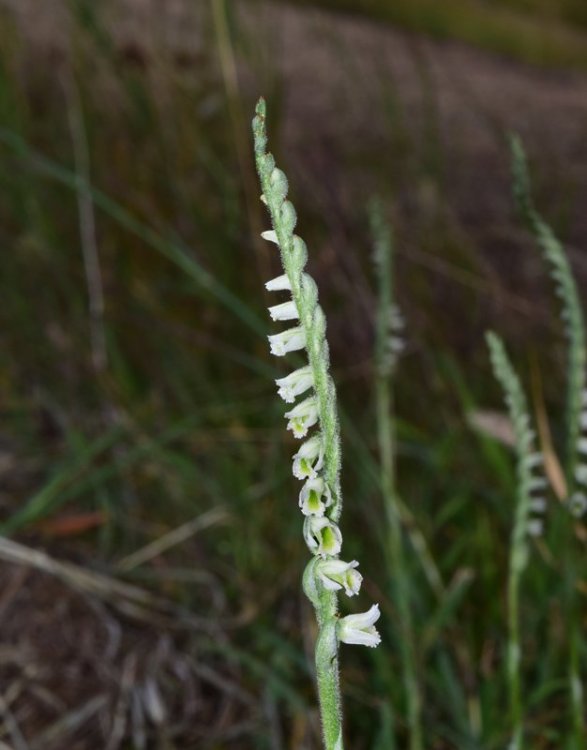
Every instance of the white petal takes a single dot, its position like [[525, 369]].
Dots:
[[295, 384], [358, 629], [322, 536], [279, 284], [308, 461], [285, 311], [338, 574], [305, 407], [538, 504], [578, 504], [314, 497], [287, 341], [534, 459], [270, 236], [302, 417], [364, 619]]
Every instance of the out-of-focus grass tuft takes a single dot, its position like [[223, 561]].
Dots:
[[540, 33]]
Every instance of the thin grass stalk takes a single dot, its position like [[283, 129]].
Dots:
[[230, 80], [528, 459], [387, 345], [87, 226]]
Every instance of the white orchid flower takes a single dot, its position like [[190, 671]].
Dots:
[[338, 574], [315, 497], [358, 629], [296, 383], [308, 461], [270, 236], [302, 417], [287, 341], [322, 536], [284, 311], [279, 284]]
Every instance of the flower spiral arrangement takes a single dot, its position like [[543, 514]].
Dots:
[[530, 506], [574, 325], [317, 462]]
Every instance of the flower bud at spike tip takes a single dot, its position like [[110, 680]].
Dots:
[[279, 184], [299, 253], [288, 216]]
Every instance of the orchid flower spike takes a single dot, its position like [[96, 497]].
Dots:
[[317, 462]]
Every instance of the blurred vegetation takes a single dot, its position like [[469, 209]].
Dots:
[[534, 31], [122, 421]]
